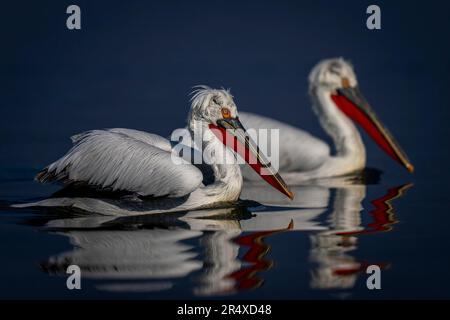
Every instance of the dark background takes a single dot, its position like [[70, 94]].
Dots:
[[134, 62]]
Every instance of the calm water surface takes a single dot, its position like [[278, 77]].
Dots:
[[317, 246]]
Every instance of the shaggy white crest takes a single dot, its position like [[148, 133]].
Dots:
[[330, 73], [207, 103]]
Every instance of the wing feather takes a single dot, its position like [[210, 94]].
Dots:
[[124, 160]]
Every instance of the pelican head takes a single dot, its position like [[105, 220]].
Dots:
[[337, 79], [332, 74], [212, 105], [216, 108]]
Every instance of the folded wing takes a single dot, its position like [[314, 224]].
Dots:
[[124, 160]]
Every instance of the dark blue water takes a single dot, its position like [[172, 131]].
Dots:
[[133, 64]]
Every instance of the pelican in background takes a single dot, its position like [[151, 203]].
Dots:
[[118, 164], [337, 101]]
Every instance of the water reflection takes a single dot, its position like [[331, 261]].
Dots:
[[224, 251], [331, 250]]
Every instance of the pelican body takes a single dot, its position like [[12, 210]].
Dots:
[[338, 103], [117, 165]]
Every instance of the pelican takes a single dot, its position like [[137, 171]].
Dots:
[[338, 103], [140, 167]]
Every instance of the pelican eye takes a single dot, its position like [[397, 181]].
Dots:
[[345, 82], [226, 113]]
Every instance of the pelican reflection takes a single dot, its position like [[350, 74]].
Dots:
[[225, 250], [331, 250]]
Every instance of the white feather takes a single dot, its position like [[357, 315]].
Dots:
[[123, 159], [298, 150]]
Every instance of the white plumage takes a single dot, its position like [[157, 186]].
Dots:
[[107, 166], [125, 160], [337, 101], [305, 157], [299, 150]]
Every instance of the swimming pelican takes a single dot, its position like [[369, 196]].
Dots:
[[337, 101], [137, 165]]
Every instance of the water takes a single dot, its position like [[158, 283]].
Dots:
[[132, 66], [318, 246]]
